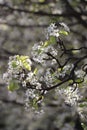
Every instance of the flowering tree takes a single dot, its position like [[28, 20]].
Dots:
[[53, 66]]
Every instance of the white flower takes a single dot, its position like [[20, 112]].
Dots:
[[24, 83], [68, 67], [65, 26], [52, 30], [5, 75], [79, 73], [38, 86]]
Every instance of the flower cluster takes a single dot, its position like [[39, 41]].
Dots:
[[40, 53], [45, 71], [57, 29], [71, 97], [19, 73], [53, 77], [52, 30], [80, 74], [17, 66]]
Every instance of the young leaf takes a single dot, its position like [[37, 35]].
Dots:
[[25, 63], [13, 85], [46, 44], [35, 71], [63, 32], [52, 40], [14, 65]]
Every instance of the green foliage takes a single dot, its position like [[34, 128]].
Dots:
[[35, 71], [14, 64], [84, 126], [63, 32], [13, 85], [79, 80], [24, 61], [51, 40]]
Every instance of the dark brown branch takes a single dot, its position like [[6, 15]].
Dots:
[[49, 54], [55, 86], [76, 64], [74, 13], [70, 14], [70, 77]]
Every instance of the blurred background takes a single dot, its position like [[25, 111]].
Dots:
[[23, 23]]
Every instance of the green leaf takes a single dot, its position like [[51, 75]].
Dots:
[[83, 105], [70, 81], [34, 103], [13, 85], [59, 69], [63, 32], [52, 40], [14, 65], [75, 51], [78, 80], [23, 60], [27, 66], [35, 71], [84, 126], [46, 44]]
